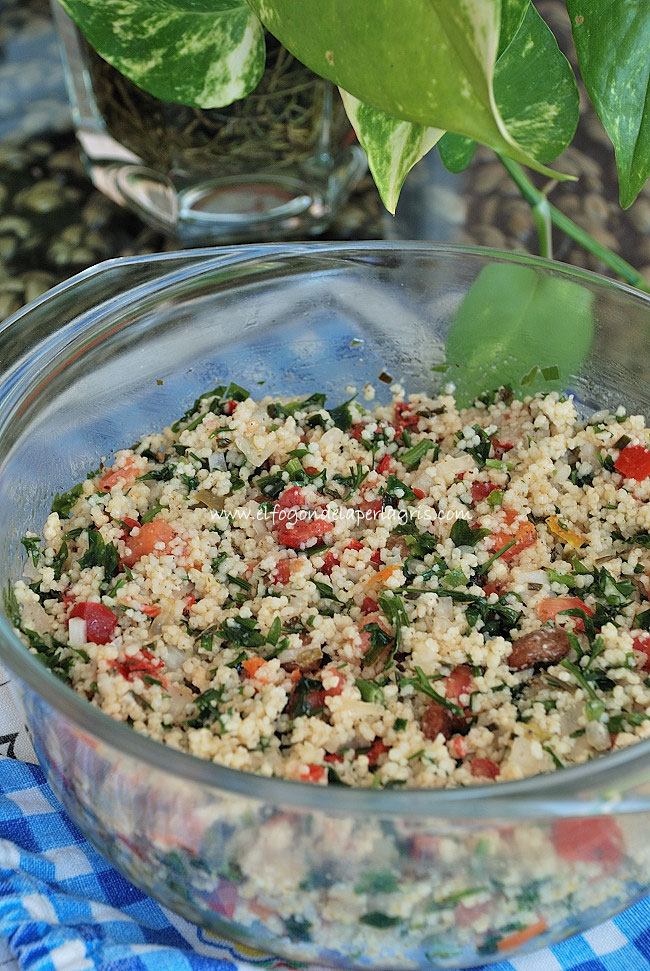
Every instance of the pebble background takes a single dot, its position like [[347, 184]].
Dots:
[[53, 223]]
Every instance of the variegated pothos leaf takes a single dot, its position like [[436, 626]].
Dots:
[[431, 63], [206, 53], [392, 146]]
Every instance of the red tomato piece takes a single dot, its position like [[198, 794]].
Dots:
[[330, 560], [298, 534], [151, 610], [634, 462], [500, 448], [595, 839], [384, 465], [376, 750], [311, 470], [146, 540], [333, 757], [355, 432], [376, 557], [369, 606], [371, 509], [100, 621], [484, 768], [282, 572], [294, 496], [481, 490], [252, 665], [143, 663], [549, 608], [419, 493], [459, 682], [111, 477], [354, 544], [525, 536], [229, 407], [489, 588], [642, 643], [404, 417], [312, 773]]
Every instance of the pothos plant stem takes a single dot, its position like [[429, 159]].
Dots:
[[545, 214]]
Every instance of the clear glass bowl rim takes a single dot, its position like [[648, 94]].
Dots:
[[556, 794]]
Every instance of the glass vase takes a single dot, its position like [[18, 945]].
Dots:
[[277, 164]]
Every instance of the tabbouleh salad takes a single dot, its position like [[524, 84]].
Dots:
[[394, 595]]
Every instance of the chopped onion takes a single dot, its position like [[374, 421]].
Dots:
[[77, 631], [598, 736], [445, 608], [34, 617], [217, 461], [30, 571], [255, 456]]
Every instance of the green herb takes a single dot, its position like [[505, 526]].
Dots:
[[342, 415], [325, 591], [238, 581], [63, 503], [271, 485], [395, 613], [495, 498], [380, 640], [642, 620], [633, 718], [567, 579], [241, 631], [377, 881], [207, 709], [148, 679], [419, 543], [400, 724], [597, 707], [32, 546], [119, 583], [370, 691], [191, 482], [301, 701], [480, 452], [352, 481], [495, 556], [399, 490], [462, 535], [498, 464], [314, 402], [455, 578], [60, 559], [414, 456], [607, 462], [101, 554], [422, 683], [11, 605], [163, 474], [216, 563], [376, 918], [556, 761], [274, 632], [317, 550], [151, 514]]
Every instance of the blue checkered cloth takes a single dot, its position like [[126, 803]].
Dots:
[[63, 908]]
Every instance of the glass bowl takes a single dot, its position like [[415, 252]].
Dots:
[[322, 876]]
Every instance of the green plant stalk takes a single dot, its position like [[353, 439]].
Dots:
[[538, 201], [543, 221]]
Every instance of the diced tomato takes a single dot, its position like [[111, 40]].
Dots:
[[384, 465], [150, 610], [312, 773], [369, 606], [252, 665], [293, 496], [282, 572], [333, 757], [229, 407], [371, 509], [593, 839], [355, 432], [459, 682], [67, 600], [146, 540], [524, 537], [551, 606], [375, 557], [111, 477], [509, 515], [500, 448], [129, 524], [100, 621], [459, 746], [190, 600], [642, 643], [634, 462], [316, 699], [330, 560], [404, 416], [298, 534], [376, 750], [481, 490], [484, 768], [489, 588], [419, 493], [143, 663], [311, 470], [354, 544]]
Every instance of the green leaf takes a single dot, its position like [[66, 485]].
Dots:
[[456, 151], [432, 64], [536, 91], [612, 39], [206, 53], [513, 318], [512, 14], [393, 147]]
